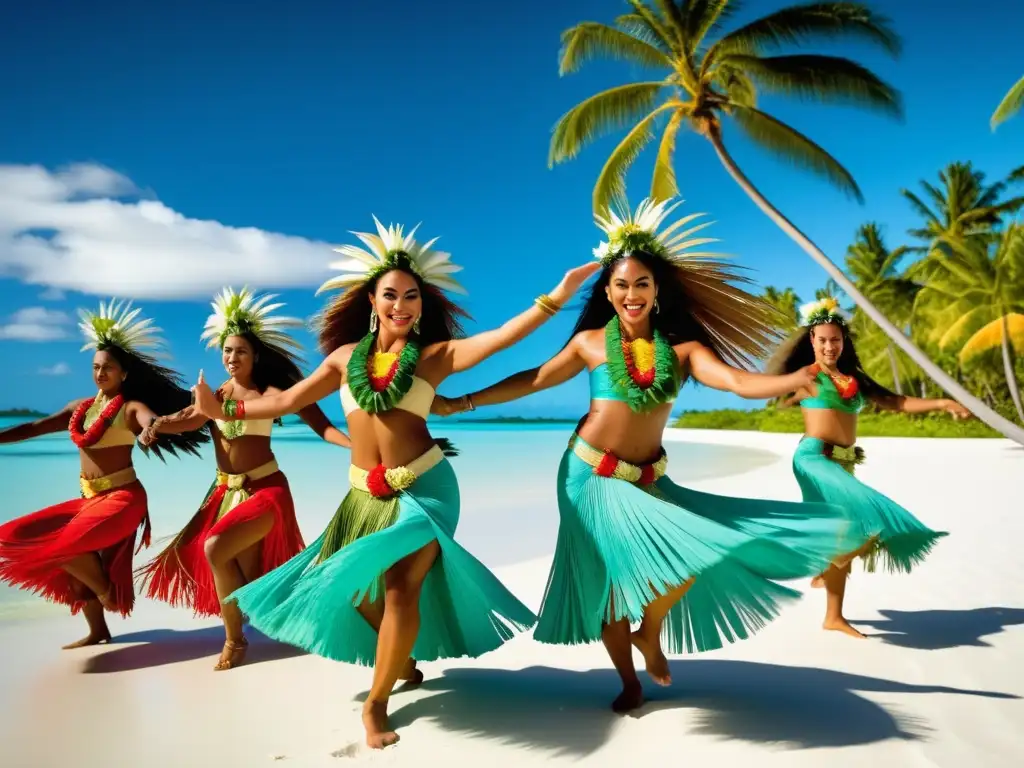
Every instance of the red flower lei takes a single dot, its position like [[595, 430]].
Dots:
[[846, 386], [380, 383], [92, 435], [642, 379], [377, 483]]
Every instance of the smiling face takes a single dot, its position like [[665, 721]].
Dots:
[[107, 373], [398, 302], [238, 357], [632, 291], [827, 340]]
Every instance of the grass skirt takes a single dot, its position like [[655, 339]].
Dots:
[[311, 601], [619, 545], [181, 575], [903, 541], [34, 547]]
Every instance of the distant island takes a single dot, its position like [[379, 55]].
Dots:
[[21, 413], [517, 420]]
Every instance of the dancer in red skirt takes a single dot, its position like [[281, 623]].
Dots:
[[79, 553], [246, 525]]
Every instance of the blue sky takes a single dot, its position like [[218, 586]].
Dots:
[[301, 121]]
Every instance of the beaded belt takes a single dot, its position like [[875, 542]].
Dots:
[[94, 486], [236, 493], [384, 482], [607, 464]]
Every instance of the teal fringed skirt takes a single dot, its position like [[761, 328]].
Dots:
[[310, 601], [901, 540], [621, 544]]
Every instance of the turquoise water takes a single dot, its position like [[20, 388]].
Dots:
[[506, 475]]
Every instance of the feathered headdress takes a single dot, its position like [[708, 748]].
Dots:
[[630, 232], [239, 312], [388, 249], [117, 325], [741, 326], [822, 312]]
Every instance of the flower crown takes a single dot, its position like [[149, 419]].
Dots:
[[117, 325], [388, 249], [630, 232], [239, 312], [822, 312]]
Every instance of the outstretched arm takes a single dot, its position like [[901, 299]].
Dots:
[[462, 354], [558, 370], [319, 423], [904, 404], [57, 422], [316, 386], [186, 420], [708, 369]]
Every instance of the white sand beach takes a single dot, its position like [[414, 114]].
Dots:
[[939, 683]]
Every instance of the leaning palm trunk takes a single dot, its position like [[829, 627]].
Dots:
[[1002, 425], [1011, 378], [897, 387]]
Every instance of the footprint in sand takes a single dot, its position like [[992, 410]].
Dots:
[[350, 750]]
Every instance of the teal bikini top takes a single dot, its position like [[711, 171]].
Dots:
[[601, 385], [829, 398]]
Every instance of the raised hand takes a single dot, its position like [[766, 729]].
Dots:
[[149, 435], [573, 279], [957, 411], [206, 401]]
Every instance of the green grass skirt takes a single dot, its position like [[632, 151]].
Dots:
[[619, 545], [903, 541], [310, 601]]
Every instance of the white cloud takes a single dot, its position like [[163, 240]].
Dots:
[[36, 324], [72, 229], [59, 369], [52, 294]]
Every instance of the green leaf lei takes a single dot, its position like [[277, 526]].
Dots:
[[359, 376], [666, 382]]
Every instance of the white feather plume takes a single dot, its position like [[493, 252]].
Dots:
[[241, 311]]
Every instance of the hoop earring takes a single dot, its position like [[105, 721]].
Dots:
[[373, 321], [657, 308], [416, 325]]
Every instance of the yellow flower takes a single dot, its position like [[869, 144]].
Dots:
[[381, 362], [400, 478], [830, 304], [643, 354]]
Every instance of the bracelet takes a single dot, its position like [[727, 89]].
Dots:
[[547, 305], [469, 402]]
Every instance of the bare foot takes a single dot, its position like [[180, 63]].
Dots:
[[232, 655], [654, 659], [817, 582], [375, 721], [410, 674], [93, 638], [107, 600], [842, 625], [632, 696]]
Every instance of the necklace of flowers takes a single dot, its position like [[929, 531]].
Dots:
[[84, 438], [231, 429], [846, 386], [645, 374], [378, 384]]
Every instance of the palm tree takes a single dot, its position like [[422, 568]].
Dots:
[[962, 205], [976, 287], [1010, 105], [788, 305], [875, 271], [703, 81]]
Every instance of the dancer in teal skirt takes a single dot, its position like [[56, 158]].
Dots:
[[694, 569], [386, 581], [825, 458]]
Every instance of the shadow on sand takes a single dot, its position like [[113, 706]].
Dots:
[[566, 712], [158, 647], [938, 629]]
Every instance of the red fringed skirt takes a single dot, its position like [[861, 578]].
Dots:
[[34, 547], [181, 575]]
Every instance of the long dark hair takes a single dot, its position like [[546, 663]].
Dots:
[[697, 301], [161, 390], [347, 318], [272, 366], [798, 352]]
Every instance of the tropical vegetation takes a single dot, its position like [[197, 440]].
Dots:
[[707, 76]]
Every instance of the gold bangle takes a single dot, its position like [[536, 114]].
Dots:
[[546, 305]]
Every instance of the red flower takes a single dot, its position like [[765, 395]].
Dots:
[[642, 379], [377, 483], [99, 427], [646, 474], [380, 383], [607, 466]]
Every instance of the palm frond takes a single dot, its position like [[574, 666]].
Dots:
[[590, 40], [663, 182], [657, 25], [611, 183], [736, 85], [802, 23], [922, 209], [604, 112], [1016, 175], [990, 337], [792, 145], [634, 24], [1010, 105], [819, 78], [704, 16]]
